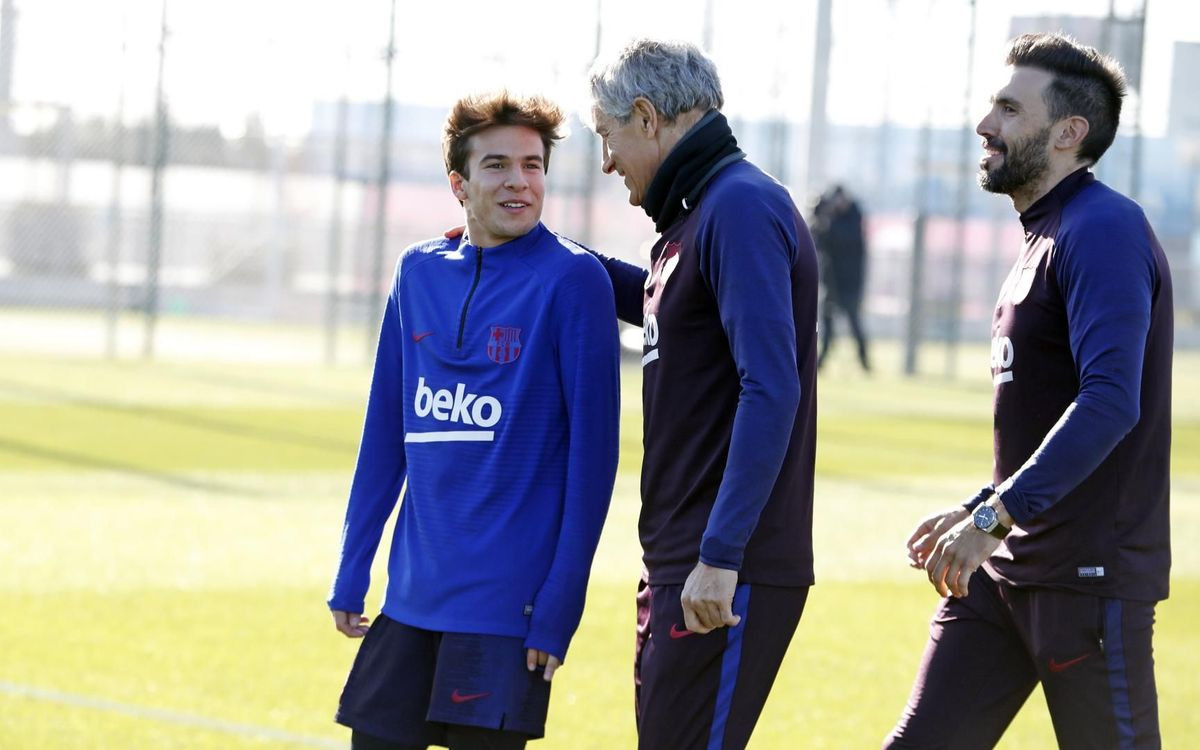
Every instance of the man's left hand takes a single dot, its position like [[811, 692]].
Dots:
[[957, 555], [707, 599], [535, 658]]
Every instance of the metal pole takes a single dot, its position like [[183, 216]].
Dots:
[[883, 158], [154, 261], [916, 279], [588, 229], [1103, 169], [954, 318], [1135, 157], [333, 267], [912, 339], [8, 37], [375, 282], [707, 33], [114, 206], [820, 87]]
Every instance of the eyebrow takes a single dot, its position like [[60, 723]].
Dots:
[[530, 157], [1006, 100]]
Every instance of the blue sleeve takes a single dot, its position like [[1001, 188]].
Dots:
[[1105, 268], [380, 472], [589, 364], [629, 284], [747, 251]]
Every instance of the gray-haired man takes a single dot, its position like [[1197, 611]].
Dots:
[[728, 311]]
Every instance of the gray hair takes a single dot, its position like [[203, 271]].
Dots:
[[674, 76]]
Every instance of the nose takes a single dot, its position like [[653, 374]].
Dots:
[[987, 126], [606, 161], [515, 179]]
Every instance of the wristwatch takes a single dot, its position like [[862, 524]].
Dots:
[[988, 521]]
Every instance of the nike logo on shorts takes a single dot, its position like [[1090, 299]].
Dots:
[[458, 697], [678, 632], [1062, 666]]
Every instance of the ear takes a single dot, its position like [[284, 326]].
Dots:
[[645, 117], [458, 186], [1070, 132]]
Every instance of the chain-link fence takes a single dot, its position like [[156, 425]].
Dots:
[[172, 173]]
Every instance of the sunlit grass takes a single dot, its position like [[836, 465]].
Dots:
[[167, 534]]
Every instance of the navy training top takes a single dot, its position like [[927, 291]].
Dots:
[[729, 313], [1082, 343]]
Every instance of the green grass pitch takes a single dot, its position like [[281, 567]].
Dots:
[[167, 534]]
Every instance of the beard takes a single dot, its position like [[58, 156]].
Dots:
[[1023, 162]]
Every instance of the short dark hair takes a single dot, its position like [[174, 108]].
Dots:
[[1086, 83], [473, 114]]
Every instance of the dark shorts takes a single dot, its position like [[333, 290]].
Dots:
[[988, 651], [706, 691], [407, 684]]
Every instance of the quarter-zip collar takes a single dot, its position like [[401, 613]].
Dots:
[[514, 246], [1059, 196]]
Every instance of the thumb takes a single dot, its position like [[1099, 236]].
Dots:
[[727, 615]]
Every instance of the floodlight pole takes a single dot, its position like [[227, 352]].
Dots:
[[154, 259], [954, 318], [8, 36], [1135, 158], [333, 262], [375, 282], [589, 168], [114, 206], [820, 89]]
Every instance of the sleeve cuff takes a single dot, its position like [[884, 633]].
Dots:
[[984, 493], [717, 554]]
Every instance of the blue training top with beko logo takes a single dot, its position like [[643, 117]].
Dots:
[[1081, 362], [496, 395]]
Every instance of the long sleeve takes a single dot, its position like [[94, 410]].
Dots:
[[1107, 275], [628, 283], [747, 254], [380, 470], [589, 361]]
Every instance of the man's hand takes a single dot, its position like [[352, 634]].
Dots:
[[707, 599], [958, 554], [928, 531], [350, 624], [454, 232], [535, 658]]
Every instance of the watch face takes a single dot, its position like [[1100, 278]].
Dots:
[[985, 517]]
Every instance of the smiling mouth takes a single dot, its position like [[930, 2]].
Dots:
[[514, 204]]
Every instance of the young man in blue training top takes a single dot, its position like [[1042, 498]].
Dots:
[[728, 312], [495, 402], [1073, 532]]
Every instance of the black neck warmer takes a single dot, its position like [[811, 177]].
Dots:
[[699, 155]]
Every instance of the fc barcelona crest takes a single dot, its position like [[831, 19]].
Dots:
[[504, 344]]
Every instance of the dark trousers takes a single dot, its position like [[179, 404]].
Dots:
[[705, 692], [988, 651], [849, 305]]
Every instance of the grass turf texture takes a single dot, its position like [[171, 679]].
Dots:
[[168, 533]]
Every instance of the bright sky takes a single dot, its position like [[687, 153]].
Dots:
[[228, 59]]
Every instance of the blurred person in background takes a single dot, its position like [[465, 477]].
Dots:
[[842, 249], [1073, 532], [494, 401], [728, 312]]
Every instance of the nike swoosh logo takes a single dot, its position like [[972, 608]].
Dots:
[[1061, 666], [418, 337], [458, 697], [678, 632]]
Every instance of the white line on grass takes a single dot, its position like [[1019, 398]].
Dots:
[[172, 717]]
